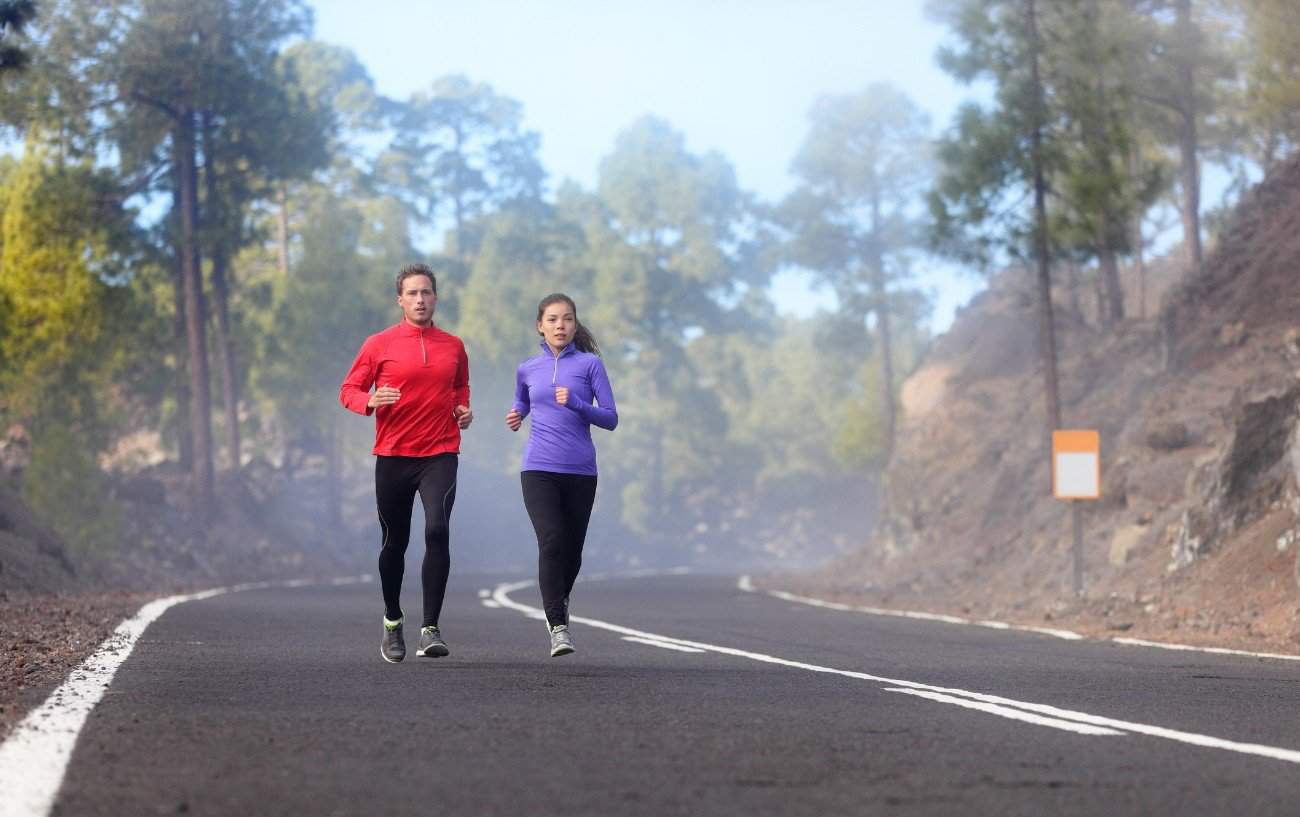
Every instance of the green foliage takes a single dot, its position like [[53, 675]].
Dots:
[[321, 315], [54, 233], [668, 245], [14, 17], [978, 205], [65, 486], [722, 402], [460, 152], [1273, 77], [855, 220]]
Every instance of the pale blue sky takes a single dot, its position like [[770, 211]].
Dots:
[[736, 77]]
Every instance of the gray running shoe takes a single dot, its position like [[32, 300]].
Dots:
[[431, 643], [393, 647], [561, 641]]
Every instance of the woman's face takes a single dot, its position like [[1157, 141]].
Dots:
[[558, 324]]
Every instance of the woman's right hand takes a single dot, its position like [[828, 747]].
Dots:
[[514, 419]]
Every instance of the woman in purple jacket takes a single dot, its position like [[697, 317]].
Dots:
[[566, 391]]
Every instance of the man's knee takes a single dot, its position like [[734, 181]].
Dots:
[[436, 531]]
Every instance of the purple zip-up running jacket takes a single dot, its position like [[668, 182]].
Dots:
[[560, 437]]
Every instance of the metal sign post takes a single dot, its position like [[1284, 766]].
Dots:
[[1076, 476]]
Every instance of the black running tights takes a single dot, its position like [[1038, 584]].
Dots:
[[559, 506], [397, 479]]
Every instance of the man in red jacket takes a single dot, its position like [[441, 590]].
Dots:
[[420, 376]]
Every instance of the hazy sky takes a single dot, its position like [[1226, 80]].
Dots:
[[736, 77]]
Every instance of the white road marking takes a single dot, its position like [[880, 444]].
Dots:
[[667, 645], [490, 604], [1007, 712], [502, 596], [746, 584], [1138, 642], [34, 758]]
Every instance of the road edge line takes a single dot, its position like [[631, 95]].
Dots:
[[35, 754], [746, 584]]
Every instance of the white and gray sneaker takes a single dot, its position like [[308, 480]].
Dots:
[[393, 646], [431, 643], [561, 641]]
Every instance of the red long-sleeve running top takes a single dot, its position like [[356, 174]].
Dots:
[[430, 368]]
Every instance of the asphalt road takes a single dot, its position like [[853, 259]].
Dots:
[[273, 702]]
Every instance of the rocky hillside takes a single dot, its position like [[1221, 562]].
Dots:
[[1197, 405]]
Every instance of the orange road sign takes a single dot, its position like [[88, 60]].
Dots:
[[1076, 464]]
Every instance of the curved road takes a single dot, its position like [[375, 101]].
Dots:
[[687, 696]]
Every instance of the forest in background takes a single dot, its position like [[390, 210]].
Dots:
[[204, 209]]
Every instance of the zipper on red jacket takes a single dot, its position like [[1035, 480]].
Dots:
[[424, 357]]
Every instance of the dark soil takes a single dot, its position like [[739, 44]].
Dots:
[[42, 638]]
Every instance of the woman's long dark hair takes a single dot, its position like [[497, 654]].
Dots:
[[582, 337]]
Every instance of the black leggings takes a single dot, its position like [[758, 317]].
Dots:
[[396, 481], [560, 507]]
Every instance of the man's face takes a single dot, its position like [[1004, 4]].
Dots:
[[417, 300]]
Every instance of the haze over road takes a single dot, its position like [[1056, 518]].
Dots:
[[687, 696]]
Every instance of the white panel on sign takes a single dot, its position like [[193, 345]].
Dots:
[[1076, 475]]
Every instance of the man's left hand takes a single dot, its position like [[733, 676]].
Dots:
[[463, 416]]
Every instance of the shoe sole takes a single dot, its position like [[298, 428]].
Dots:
[[558, 651], [384, 656], [433, 652]]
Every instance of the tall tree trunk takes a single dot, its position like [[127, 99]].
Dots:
[[880, 302], [184, 439], [1189, 170], [1046, 326], [219, 251], [1108, 268], [183, 147], [457, 196], [655, 307], [883, 326], [658, 517], [282, 225], [1136, 238], [333, 476], [1074, 283], [1110, 308], [1099, 299]]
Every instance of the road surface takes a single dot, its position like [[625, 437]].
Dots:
[[687, 696]]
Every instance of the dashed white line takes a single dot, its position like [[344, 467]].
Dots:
[[667, 645], [1007, 712]]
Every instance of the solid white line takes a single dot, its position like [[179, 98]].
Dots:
[[502, 596], [746, 584], [34, 758], [1138, 642], [667, 645], [1006, 712]]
